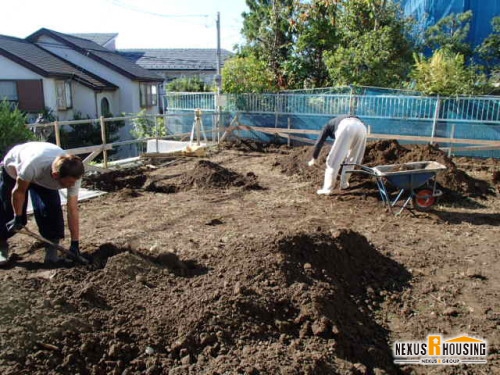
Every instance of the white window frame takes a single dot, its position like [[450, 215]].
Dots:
[[148, 93]]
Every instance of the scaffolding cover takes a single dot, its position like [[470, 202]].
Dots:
[[429, 12]]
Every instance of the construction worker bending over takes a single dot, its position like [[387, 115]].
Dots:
[[349, 134], [42, 169]]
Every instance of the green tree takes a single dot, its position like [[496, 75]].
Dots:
[[314, 25], [445, 73], [489, 50], [247, 75], [450, 33], [13, 129], [374, 45], [266, 29]]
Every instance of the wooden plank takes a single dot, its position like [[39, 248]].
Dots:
[[473, 148], [91, 157], [298, 139], [435, 139], [377, 136], [278, 130], [88, 149]]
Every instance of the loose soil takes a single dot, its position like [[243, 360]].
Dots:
[[231, 264]]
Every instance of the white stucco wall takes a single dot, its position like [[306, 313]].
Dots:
[[84, 100], [10, 70]]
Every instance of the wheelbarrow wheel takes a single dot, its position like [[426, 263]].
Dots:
[[424, 200]]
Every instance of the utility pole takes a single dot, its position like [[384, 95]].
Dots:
[[218, 77], [218, 81]]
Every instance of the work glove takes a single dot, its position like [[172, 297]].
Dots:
[[311, 162], [75, 248], [15, 225]]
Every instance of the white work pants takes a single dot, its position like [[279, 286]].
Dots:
[[348, 147]]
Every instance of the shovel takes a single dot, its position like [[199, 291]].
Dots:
[[78, 258]]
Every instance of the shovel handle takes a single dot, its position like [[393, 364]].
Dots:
[[79, 258]]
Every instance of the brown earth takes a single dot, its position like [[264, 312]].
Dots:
[[231, 264]]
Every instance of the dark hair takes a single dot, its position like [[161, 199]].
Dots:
[[69, 166]]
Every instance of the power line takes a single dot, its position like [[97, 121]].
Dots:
[[120, 4]]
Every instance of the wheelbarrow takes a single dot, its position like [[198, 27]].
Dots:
[[415, 182]]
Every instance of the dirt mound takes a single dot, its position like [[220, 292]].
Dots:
[[384, 152], [453, 180], [297, 303], [204, 175], [209, 175], [126, 178]]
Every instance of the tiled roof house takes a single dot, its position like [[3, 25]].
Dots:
[[37, 79], [68, 74]]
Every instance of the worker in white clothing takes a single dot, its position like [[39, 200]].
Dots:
[[349, 134]]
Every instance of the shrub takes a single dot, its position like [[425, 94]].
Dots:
[[13, 129]]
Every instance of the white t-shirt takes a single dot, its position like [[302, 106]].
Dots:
[[32, 161]]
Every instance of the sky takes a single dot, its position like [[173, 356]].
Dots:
[[139, 23]]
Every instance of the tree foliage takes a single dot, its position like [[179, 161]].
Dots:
[[267, 32], [445, 73], [316, 43], [314, 26], [247, 75], [374, 50], [489, 50], [13, 129], [450, 33], [144, 126]]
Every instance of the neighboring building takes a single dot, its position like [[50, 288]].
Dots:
[[36, 79], [175, 63], [84, 73], [138, 87], [429, 12]]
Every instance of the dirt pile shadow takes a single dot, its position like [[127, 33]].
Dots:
[[456, 182], [348, 279], [126, 178]]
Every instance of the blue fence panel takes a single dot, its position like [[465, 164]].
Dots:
[[386, 111]]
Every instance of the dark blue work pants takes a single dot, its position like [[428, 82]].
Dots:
[[46, 208]]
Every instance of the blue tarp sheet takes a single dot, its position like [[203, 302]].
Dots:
[[429, 12]]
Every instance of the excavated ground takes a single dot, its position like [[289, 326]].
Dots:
[[231, 264]]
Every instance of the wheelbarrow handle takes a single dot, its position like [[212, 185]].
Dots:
[[78, 258], [362, 169]]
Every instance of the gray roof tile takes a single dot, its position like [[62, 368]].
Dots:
[[46, 64], [103, 55], [176, 58]]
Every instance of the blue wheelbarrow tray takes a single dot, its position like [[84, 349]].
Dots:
[[408, 176]]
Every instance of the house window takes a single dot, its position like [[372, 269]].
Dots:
[[8, 91], [149, 94], [63, 93]]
